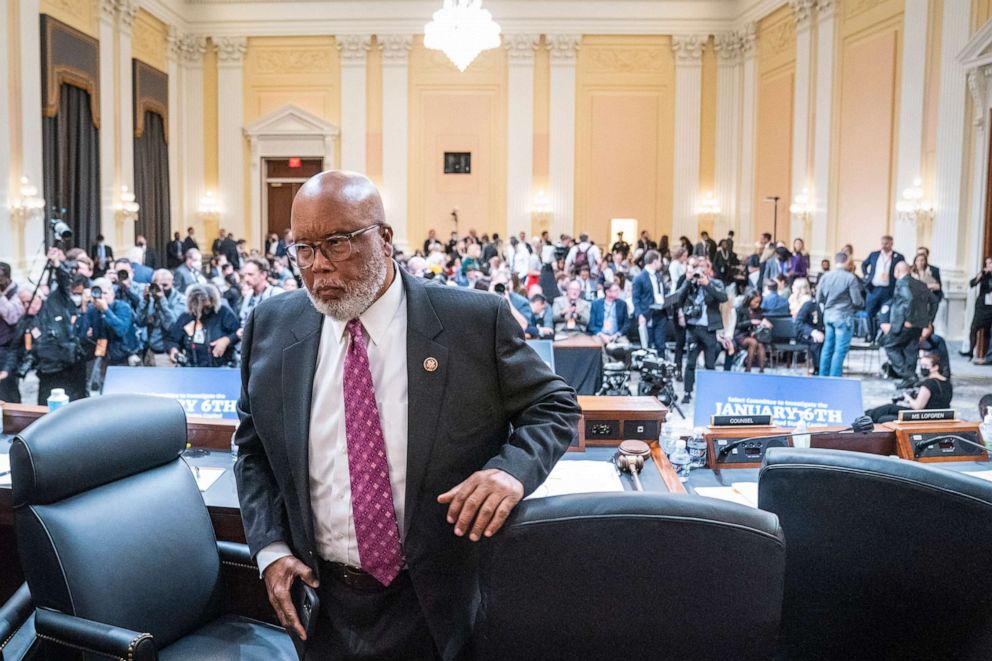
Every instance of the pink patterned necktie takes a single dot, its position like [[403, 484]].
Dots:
[[379, 548]]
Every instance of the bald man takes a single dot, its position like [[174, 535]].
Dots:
[[379, 441], [909, 312]]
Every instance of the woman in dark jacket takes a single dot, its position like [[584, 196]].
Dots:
[[207, 333], [983, 307], [809, 331], [750, 319]]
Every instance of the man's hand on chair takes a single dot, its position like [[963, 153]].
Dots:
[[479, 505]]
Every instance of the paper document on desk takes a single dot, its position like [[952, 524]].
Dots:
[[579, 476], [742, 493], [4, 470], [205, 477]]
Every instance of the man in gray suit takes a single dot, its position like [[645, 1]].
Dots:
[[379, 440]]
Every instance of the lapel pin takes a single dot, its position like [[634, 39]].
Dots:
[[430, 364]]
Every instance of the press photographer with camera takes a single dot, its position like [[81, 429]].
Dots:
[[125, 287], [11, 312], [113, 320], [51, 341], [934, 392], [206, 334], [699, 298], [161, 305]]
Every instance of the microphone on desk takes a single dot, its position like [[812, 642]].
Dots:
[[862, 425], [630, 458], [920, 446]]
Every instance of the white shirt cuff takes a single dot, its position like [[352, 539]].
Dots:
[[270, 554]]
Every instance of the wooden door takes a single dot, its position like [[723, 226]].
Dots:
[[280, 195]]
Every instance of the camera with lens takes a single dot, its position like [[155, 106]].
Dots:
[[96, 292], [61, 233], [657, 375], [153, 288], [123, 275], [913, 392], [182, 360], [561, 252], [499, 288]]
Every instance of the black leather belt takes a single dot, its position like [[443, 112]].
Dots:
[[353, 577]]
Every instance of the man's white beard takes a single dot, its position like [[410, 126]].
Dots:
[[360, 295]]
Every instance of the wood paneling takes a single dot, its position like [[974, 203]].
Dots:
[[625, 130], [453, 111]]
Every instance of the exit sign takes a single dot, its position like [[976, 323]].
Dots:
[[295, 163]]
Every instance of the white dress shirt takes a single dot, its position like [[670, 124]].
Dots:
[[880, 276], [385, 323]]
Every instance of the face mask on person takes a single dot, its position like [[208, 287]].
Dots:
[[77, 299], [924, 371]]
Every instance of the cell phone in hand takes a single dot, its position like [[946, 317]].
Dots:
[[307, 605]]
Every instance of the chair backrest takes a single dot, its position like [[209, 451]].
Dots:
[[110, 524], [631, 576], [783, 329], [887, 559]]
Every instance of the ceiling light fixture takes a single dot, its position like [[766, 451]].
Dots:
[[462, 29]]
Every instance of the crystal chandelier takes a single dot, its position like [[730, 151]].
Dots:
[[462, 29]]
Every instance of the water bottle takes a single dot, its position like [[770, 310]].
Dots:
[[986, 430], [57, 399], [697, 448], [680, 460], [800, 438], [667, 439]]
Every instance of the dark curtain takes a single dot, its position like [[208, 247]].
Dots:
[[151, 185], [71, 145]]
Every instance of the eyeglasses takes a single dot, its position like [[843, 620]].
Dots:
[[335, 248]]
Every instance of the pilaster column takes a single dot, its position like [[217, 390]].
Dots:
[[520, 50], [29, 109], [802, 14], [979, 85], [109, 180], [186, 128], [561, 133], [688, 100], [951, 112], [126, 11], [230, 140], [820, 192], [395, 73], [353, 49], [728, 105], [749, 119], [8, 250], [911, 113]]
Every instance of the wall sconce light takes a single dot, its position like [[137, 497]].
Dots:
[[208, 205], [540, 211], [710, 206], [802, 207], [912, 205], [27, 202], [127, 208]]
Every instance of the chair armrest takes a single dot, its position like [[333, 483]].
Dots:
[[15, 613], [236, 555], [95, 637]]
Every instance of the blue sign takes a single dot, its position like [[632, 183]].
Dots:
[[787, 399], [204, 392]]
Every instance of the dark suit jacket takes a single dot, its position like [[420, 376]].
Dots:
[[189, 243], [108, 257], [642, 292], [912, 302], [868, 269], [713, 295], [597, 317], [460, 419]]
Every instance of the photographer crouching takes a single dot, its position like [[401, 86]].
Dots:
[[206, 334], [934, 392], [700, 297], [161, 306], [112, 319]]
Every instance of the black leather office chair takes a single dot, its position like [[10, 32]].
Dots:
[[18, 641], [631, 576], [115, 540], [887, 559]]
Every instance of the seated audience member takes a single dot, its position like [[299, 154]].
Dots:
[[608, 318], [810, 331], [588, 286], [801, 292], [571, 312], [541, 325], [934, 392], [753, 332], [207, 333], [161, 306], [772, 303]]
